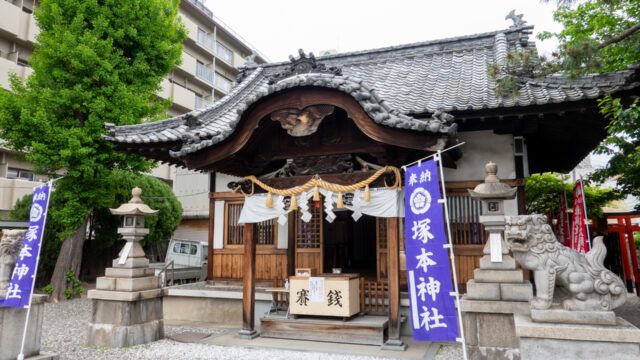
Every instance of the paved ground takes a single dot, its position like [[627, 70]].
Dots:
[[65, 324], [64, 332]]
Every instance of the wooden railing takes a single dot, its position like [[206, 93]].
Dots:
[[373, 297]]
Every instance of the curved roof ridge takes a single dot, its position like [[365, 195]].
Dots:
[[114, 131], [454, 39]]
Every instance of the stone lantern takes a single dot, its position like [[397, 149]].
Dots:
[[133, 230], [498, 290], [127, 301], [493, 193]]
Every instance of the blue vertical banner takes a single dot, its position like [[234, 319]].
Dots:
[[24, 273], [431, 294]]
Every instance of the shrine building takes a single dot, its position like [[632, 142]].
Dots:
[[352, 120]]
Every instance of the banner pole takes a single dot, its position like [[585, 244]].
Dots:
[[433, 155], [586, 218], [451, 255], [35, 272]]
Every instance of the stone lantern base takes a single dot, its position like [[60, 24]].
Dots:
[[127, 306]]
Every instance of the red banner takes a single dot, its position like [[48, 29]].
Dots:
[[564, 234], [579, 237]]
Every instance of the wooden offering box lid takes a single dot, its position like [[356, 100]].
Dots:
[[328, 277]]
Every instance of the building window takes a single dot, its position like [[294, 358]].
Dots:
[[205, 39], [204, 72], [223, 83], [13, 173], [265, 231], [224, 52]]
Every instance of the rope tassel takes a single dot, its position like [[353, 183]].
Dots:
[[269, 202], [294, 203], [367, 194], [316, 194], [340, 203]]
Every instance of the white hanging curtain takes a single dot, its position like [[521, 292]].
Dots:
[[383, 203]]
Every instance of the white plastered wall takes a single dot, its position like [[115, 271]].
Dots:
[[481, 147]]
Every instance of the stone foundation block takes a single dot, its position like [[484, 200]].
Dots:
[[544, 341], [126, 313], [12, 325], [508, 263], [483, 291], [131, 263], [516, 292], [137, 284], [490, 336], [498, 276], [124, 295], [125, 323], [115, 336], [491, 306], [105, 283], [492, 353], [129, 273], [559, 315]]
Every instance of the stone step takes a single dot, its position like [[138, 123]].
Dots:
[[127, 284], [131, 263], [129, 273], [498, 276], [364, 330]]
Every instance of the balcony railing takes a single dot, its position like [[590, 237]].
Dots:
[[201, 6], [202, 103], [204, 73], [223, 83], [206, 40]]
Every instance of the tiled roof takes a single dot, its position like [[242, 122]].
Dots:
[[397, 86]]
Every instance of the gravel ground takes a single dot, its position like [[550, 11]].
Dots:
[[64, 333]]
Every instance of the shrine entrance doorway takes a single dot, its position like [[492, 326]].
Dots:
[[350, 245]]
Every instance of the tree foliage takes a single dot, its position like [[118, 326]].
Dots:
[[597, 36], [622, 144], [543, 193], [94, 62], [155, 193]]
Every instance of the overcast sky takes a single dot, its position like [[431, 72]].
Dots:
[[278, 28]]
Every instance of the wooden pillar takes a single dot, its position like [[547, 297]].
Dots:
[[393, 271], [249, 283], [291, 244], [212, 213]]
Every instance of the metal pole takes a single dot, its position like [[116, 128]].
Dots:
[[451, 255], [33, 282], [433, 155]]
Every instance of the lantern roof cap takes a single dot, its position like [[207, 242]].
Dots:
[[135, 206], [492, 188]]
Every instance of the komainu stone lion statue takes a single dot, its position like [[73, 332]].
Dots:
[[590, 284], [9, 250]]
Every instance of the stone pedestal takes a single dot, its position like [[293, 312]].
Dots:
[[11, 328], [127, 306], [489, 328], [497, 291], [544, 341]]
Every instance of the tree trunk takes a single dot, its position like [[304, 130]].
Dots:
[[69, 259]]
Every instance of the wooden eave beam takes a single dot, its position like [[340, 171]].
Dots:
[[301, 98]]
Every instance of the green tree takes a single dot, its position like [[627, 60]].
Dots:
[[543, 192], [155, 193], [94, 62], [597, 36]]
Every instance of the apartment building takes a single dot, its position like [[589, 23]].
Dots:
[[212, 53]]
